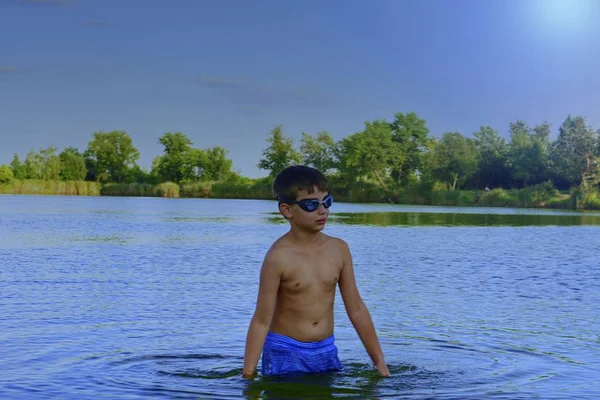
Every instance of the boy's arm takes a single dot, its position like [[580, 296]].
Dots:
[[358, 313], [270, 276]]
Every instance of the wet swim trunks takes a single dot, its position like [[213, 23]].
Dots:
[[284, 355]]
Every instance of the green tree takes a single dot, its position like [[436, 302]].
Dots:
[[177, 162], [319, 151], [492, 170], [140, 175], [217, 166], [199, 162], [45, 164], [279, 154], [574, 154], [73, 165], [6, 174], [51, 164], [34, 165], [369, 153], [410, 132], [518, 151], [540, 152], [454, 159], [18, 168], [110, 156], [528, 153]]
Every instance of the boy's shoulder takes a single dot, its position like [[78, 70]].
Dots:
[[339, 242], [282, 247], [279, 251]]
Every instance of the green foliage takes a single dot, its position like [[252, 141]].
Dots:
[[360, 192], [45, 165], [498, 198], [256, 190], [72, 165], [33, 165], [592, 201], [18, 168], [453, 159], [216, 167], [410, 136], [528, 153], [491, 150], [181, 162], [387, 161], [179, 158], [110, 156], [537, 196], [369, 154], [253, 189], [575, 153], [165, 189], [195, 189], [6, 174], [41, 187], [319, 151], [279, 154]]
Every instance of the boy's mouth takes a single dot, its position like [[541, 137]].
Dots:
[[321, 221]]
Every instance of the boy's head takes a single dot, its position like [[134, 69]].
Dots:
[[291, 181], [300, 182]]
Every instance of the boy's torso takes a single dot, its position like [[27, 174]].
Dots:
[[304, 309]]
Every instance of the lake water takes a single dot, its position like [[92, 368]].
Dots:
[[134, 298]]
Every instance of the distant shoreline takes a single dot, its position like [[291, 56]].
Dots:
[[537, 196]]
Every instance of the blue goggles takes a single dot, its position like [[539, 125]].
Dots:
[[310, 205]]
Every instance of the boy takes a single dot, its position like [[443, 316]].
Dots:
[[293, 320]]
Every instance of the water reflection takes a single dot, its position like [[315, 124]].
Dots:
[[453, 219]]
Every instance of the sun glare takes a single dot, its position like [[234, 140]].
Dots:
[[565, 15]]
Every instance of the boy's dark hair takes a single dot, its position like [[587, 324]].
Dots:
[[291, 180]]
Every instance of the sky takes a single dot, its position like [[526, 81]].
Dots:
[[225, 72]]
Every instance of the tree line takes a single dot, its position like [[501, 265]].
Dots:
[[390, 154], [401, 152], [111, 157]]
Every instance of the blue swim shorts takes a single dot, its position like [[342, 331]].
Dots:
[[284, 355]]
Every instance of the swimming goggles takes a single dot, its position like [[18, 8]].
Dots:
[[311, 205]]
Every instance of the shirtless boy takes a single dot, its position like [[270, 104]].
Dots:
[[293, 322]]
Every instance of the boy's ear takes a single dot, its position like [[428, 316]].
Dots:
[[285, 210]]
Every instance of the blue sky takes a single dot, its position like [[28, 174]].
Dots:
[[227, 71]]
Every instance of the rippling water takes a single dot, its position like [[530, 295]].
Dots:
[[150, 298]]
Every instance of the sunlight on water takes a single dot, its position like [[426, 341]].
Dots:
[[144, 298]]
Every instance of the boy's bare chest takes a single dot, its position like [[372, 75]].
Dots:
[[312, 274]]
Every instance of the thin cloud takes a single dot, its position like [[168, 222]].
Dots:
[[8, 69], [45, 3], [252, 96], [222, 83]]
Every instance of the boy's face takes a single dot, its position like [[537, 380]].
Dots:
[[311, 220]]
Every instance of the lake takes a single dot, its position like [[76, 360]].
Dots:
[[133, 298]]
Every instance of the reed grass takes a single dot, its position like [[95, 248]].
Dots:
[[40, 187], [165, 189], [544, 195]]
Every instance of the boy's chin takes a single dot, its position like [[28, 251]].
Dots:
[[312, 228], [317, 227]]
